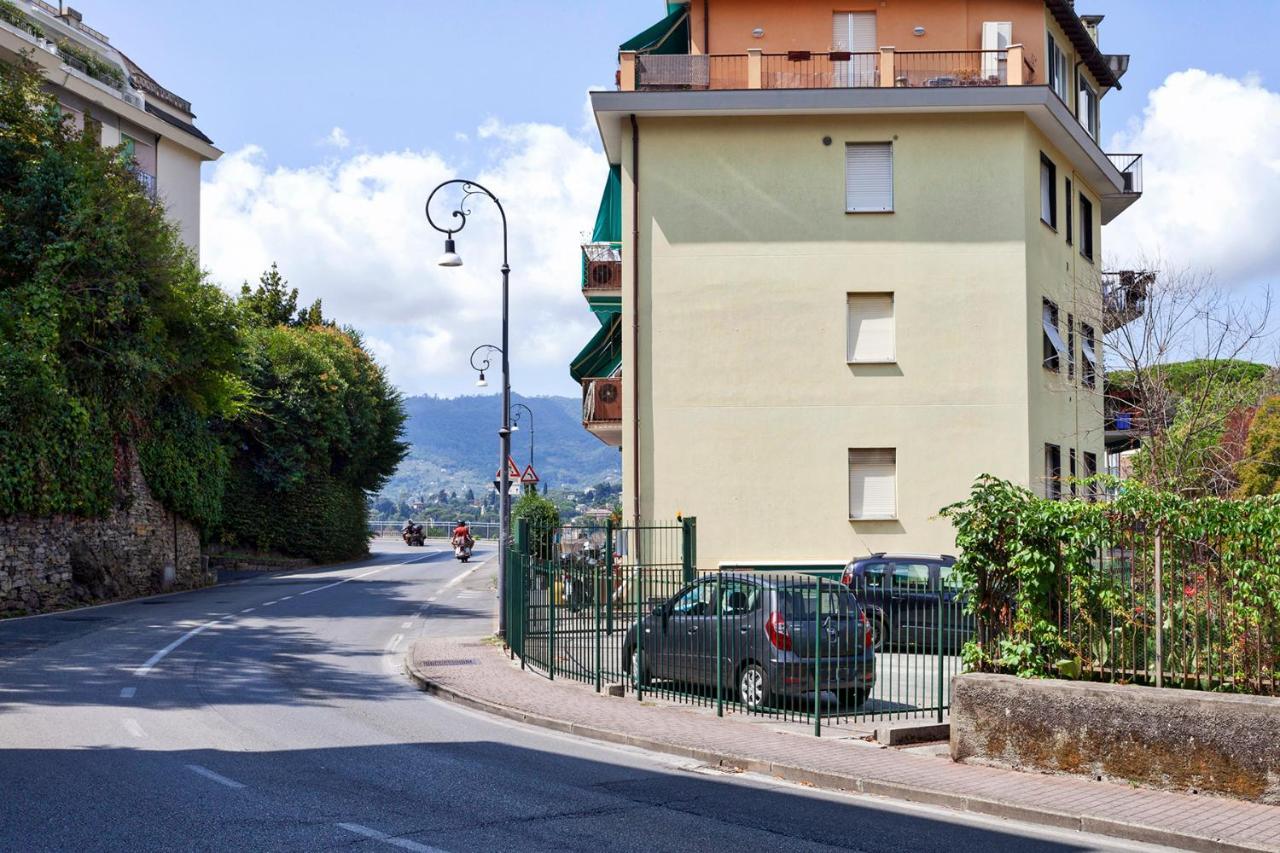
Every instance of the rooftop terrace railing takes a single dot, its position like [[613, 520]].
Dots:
[[802, 69]]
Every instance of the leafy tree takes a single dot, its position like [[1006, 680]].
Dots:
[[113, 339], [272, 302], [471, 495], [1259, 473], [544, 521]]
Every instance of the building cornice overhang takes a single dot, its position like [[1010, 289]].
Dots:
[[1038, 103], [12, 48]]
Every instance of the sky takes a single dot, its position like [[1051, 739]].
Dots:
[[337, 119]]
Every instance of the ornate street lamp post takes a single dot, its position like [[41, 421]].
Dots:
[[450, 258], [515, 425]]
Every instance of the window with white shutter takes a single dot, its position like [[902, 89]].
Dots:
[[996, 36], [868, 177], [871, 330], [873, 483]]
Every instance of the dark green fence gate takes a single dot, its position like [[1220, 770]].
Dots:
[[626, 605]]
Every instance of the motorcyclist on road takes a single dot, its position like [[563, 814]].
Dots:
[[462, 536]]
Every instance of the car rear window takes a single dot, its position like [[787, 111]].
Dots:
[[800, 602]]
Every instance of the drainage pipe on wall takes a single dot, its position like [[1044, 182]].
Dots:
[[634, 370]]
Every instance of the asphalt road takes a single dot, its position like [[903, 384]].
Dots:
[[271, 714]]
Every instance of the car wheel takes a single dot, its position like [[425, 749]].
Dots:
[[638, 678], [753, 687], [879, 630]]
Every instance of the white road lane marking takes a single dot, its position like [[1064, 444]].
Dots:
[[127, 692], [433, 598], [268, 604], [132, 727], [394, 641], [248, 610], [163, 653], [406, 624], [352, 578], [402, 843], [217, 777], [286, 598]]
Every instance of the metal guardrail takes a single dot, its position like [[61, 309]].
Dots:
[[435, 529]]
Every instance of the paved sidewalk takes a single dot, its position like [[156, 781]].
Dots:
[[476, 673]]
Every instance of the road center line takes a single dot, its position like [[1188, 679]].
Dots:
[[248, 610], [406, 624], [268, 604], [163, 653], [352, 578], [286, 598], [127, 692], [132, 727], [389, 839], [394, 641], [217, 777]]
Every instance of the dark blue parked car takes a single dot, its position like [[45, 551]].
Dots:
[[773, 634], [908, 597]]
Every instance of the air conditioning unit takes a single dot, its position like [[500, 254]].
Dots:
[[604, 274]]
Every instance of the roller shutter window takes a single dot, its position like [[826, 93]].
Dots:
[[1054, 348], [873, 489], [871, 336], [869, 177], [856, 33]]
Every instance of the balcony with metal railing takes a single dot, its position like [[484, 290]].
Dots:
[[602, 408], [803, 69], [1124, 297], [601, 269]]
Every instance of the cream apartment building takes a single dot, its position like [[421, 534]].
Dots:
[[99, 86], [850, 259]]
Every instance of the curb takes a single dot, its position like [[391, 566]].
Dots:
[[833, 781]]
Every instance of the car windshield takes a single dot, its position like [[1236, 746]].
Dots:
[[801, 602]]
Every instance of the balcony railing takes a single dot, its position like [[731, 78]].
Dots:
[[802, 69], [148, 182], [601, 267], [1130, 166], [602, 402], [1124, 297], [944, 69]]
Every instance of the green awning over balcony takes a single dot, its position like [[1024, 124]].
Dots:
[[670, 35], [609, 218], [602, 355]]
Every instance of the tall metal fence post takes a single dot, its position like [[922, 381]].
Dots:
[[1159, 567], [519, 564], [553, 578], [817, 662], [638, 669], [941, 658], [719, 649], [608, 577], [595, 600], [688, 549]]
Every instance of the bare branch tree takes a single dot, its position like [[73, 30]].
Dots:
[[1154, 322]]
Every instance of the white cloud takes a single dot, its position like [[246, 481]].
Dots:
[[352, 232], [1211, 195], [338, 139]]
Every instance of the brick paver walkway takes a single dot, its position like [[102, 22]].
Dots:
[[477, 673]]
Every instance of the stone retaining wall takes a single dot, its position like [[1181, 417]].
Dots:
[[60, 561], [1178, 740]]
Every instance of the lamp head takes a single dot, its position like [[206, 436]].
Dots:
[[482, 382], [450, 258]]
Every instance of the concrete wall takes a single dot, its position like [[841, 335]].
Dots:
[[747, 405], [54, 562], [1178, 740], [178, 185]]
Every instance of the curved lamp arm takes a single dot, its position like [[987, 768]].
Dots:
[[463, 210]]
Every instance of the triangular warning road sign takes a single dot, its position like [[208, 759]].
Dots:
[[513, 470], [529, 475]]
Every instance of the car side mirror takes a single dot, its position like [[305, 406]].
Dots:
[[660, 611]]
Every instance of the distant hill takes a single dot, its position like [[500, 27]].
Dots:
[[454, 445]]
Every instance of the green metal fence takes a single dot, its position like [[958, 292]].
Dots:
[[626, 605]]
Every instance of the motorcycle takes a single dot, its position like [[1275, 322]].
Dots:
[[414, 535], [461, 550]]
